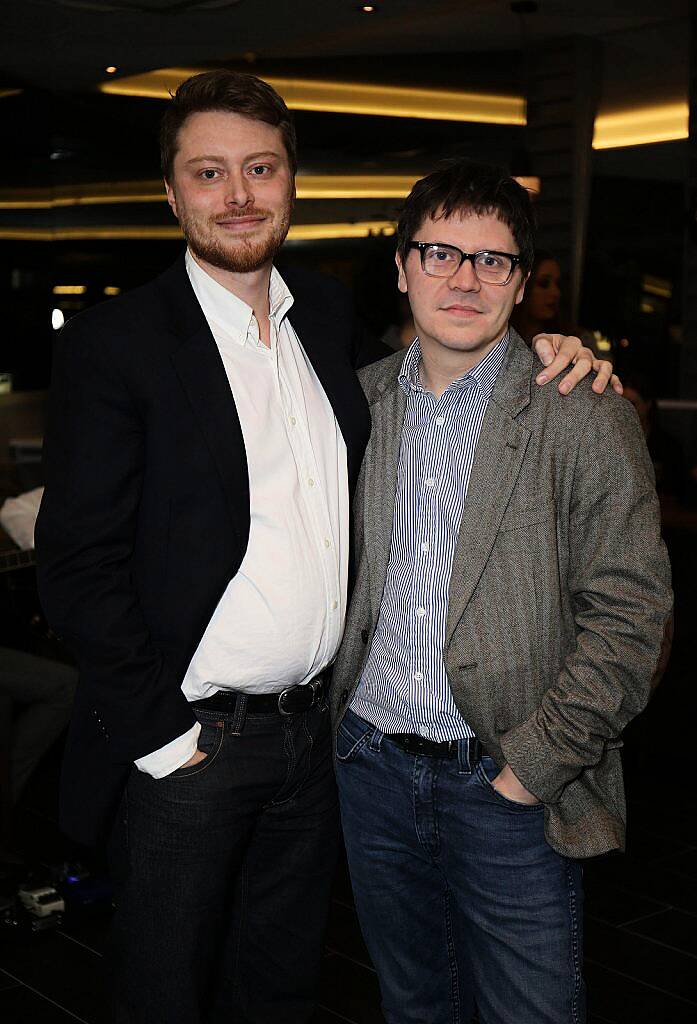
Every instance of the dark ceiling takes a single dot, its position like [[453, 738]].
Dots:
[[65, 44]]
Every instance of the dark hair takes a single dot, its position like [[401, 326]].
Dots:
[[465, 186], [234, 91], [542, 256]]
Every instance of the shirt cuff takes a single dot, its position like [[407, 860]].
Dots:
[[172, 756]]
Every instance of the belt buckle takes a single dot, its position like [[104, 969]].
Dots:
[[313, 686], [282, 694]]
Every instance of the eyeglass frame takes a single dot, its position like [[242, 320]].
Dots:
[[471, 256]]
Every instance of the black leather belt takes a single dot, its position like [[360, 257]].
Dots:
[[290, 701], [429, 748]]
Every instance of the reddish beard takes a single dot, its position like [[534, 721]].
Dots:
[[245, 251]]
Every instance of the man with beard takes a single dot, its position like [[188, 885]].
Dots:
[[205, 436]]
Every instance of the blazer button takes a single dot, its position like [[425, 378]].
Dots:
[[344, 696], [364, 636]]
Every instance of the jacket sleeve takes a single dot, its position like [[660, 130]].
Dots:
[[619, 581], [85, 537]]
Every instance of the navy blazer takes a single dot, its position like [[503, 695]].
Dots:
[[145, 516]]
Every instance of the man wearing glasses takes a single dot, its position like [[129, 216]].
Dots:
[[508, 616]]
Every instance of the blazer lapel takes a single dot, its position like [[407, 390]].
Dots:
[[499, 456], [380, 489], [201, 372], [203, 378]]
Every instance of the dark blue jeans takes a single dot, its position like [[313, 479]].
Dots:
[[225, 875], [461, 900]]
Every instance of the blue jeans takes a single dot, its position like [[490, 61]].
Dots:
[[462, 902]]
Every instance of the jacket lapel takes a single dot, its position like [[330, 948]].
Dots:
[[203, 378], [499, 456], [200, 369], [381, 471]]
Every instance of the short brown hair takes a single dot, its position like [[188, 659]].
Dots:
[[465, 186], [234, 91]]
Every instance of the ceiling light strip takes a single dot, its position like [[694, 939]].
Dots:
[[297, 233], [641, 126], [349, 97]]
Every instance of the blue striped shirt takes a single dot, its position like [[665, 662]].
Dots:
[[404, 686]]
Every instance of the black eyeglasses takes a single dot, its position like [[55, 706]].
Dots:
[[490, 266]]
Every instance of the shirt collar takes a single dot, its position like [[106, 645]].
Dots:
[[483, 375], [225, 309]]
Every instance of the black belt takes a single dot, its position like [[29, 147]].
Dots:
[[448, 748], [290, 701]]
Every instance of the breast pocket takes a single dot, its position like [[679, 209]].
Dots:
[[528, 510]]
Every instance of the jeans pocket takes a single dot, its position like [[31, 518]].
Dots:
[[487, 770], [210, 741], [351, 736]]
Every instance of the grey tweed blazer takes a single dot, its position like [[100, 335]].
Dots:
[[560, 591]]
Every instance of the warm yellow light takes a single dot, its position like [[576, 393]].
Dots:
[[69, 289], [9, 92], [350, 97], [361, 229], [112, 290], [111, 70], [309, 186], [657, 286], [82, 195], [166, 232], [640, 126]]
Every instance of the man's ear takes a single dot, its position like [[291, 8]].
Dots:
[[171, 198], [401, 276], [521, 289]]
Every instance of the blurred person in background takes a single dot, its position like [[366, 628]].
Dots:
[[540, 308], [36, 701], [664, 449]]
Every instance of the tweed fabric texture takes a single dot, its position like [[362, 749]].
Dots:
[[559, 596]]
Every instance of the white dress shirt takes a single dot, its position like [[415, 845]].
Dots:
[[280, 619]]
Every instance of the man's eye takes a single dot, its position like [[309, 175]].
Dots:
[[209, 174], [441, 255], [259, 170]]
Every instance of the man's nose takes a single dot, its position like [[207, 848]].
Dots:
[[464, 279], [239, 191]]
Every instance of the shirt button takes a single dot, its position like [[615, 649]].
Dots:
[[293, 421], [327, 542], [425, 545], [310, 482], [418, 676], [430, 482], [440, 420], [335, 605], [421, 612]]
